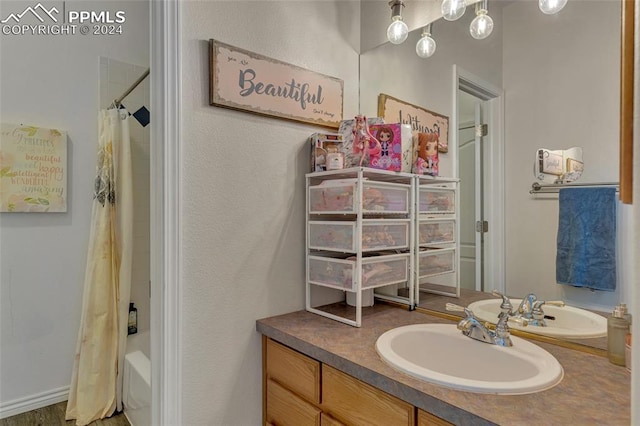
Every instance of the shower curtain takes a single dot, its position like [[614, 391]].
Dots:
[[96, 382]]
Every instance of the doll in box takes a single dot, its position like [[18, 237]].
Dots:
[[427, 155]]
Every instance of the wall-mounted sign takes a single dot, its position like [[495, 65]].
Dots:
[[247, 81], [422, 120], [33, 169]]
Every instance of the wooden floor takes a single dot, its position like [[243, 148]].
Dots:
[[53, 415]]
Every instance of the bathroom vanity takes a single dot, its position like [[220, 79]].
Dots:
[[329, 373]]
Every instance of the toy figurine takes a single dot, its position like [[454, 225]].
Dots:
[[427, 161], [362, 139]]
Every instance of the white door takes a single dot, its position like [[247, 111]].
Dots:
[[480, 224], [470, 166]]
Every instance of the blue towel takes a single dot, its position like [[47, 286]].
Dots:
[[586, 255]]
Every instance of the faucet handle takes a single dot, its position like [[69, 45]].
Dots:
[[454, 308], [519, 320], [457, 308], [506, 305]]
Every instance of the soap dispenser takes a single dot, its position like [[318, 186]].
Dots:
[[617, 329], [133, 319]]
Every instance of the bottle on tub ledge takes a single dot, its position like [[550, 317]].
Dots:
[[133, 319], [617, 329]]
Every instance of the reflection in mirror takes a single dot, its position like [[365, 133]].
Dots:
[[560, 81], [558, 166]]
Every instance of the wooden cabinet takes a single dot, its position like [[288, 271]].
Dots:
[[428, 419], [284, 408], [327, 420], [358, 403], [300, 391], [295, 371]]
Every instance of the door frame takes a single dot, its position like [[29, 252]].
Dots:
[[494, 271], [166, 177]]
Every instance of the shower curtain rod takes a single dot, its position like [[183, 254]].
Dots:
[[537, 188], [130, 89]]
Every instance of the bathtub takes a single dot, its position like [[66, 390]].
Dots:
[[137, 380]]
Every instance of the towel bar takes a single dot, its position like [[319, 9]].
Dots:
[[537, 188]]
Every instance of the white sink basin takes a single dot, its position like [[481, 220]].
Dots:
[[440, 354], [569, 322]]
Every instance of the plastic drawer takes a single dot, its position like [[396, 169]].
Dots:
[[436, 262], [436, 232], [436, 200], [341, 197], [376, 235], [341, 273]]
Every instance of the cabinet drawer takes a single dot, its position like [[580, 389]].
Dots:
[[342, 197], [436, 232], [327, 420], [436, 262], [428, 419], [342, 236], [293, 370], [357, 403], [377, 271], [286, 409], [437, 201]]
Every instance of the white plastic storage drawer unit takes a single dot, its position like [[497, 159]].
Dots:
[[340, 196], [436, 200], [342, 236], [436, 231], [436, 262], [342, 274]]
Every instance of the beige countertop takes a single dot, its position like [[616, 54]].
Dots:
[[593, 391]]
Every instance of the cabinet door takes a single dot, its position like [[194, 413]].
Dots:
[[286, 409], [293, 370], [427, 419], [327, 420], [357, 403]]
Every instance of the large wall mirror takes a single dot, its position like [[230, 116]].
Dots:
[[553, 81]]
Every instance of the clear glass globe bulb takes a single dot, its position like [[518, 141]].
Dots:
[[453, 9], [481, 26], [397, 31], [551, 6], [426, 46]]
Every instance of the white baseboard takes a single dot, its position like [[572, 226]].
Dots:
[[32, 402]]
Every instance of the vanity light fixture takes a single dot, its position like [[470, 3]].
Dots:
[[453, 9], [482, 24], [551, 7], [426, 46], [398, 30]]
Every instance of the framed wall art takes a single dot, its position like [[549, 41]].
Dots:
[[393, 110], [33, 169], [251, 82]]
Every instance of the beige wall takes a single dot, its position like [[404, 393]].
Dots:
[[243, 196], [561, 82]]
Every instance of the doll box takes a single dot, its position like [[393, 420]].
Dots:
[[425, 154], [395, 147]]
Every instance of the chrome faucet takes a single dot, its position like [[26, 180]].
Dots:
[[473, 328], [530, 309]]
